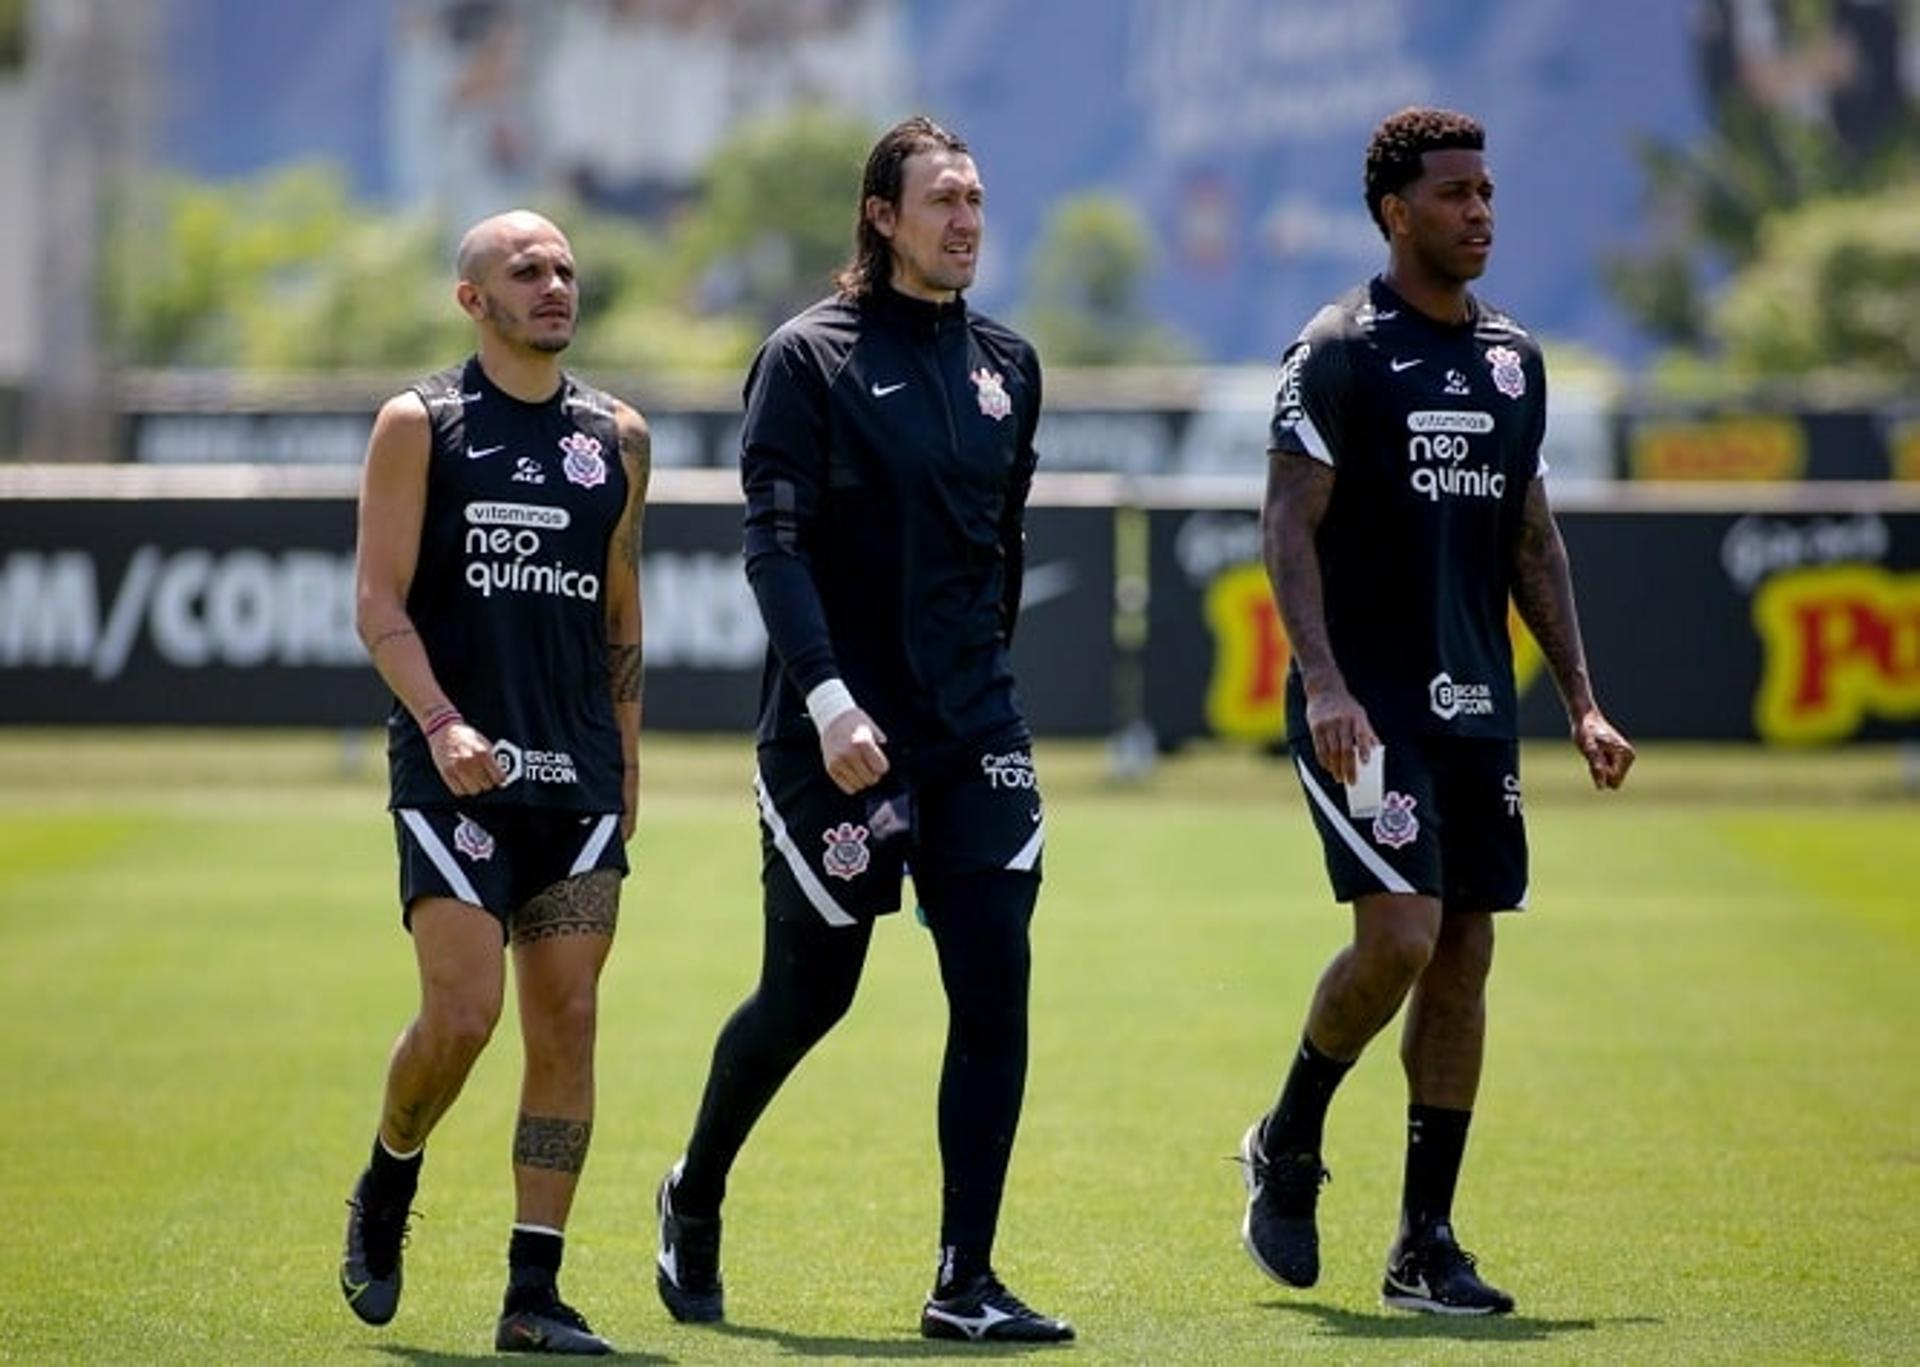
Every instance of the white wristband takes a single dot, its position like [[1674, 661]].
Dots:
[[827, 701]]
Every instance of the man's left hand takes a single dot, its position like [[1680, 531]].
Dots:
[[1608, 753]]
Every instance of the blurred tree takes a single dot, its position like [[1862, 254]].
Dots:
[[285, 272], [1085, 277], [289, 273], [1809, 105], [13, 34], [774, 220], [1833, 287]]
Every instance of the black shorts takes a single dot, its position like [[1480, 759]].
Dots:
[[827, 856], [499, 858], [1450, 825]]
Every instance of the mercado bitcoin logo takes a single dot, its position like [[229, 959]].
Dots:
[[1246, 697], [1841, 646]]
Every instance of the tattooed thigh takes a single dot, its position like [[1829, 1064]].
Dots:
[[588, 904], [551, 1141]]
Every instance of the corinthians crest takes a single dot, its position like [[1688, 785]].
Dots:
[[1508, 377], [583, 464], [1396, 825], [993, 393], [846, 855]]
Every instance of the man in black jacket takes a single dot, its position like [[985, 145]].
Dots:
[[886, 459]]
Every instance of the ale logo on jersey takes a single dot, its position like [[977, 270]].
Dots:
[[583, 464], [846, 855], [993, 393], [1508, 377]]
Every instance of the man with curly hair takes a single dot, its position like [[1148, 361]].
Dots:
[[1404, 508]]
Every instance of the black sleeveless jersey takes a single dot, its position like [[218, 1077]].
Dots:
[[1434, 433], [509, 596]]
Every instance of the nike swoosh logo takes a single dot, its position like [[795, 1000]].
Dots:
[[1036, 818], [475, 453], [1416, 1287], [880, 391], [973, 1326], [1399, 365]]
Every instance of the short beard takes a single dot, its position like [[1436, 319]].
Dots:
[[552, 346]]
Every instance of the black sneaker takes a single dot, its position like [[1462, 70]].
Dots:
[[1282, 1193], [548, 1325], [984, 1311], [1431, 1273], [370, 1265], [688, 1275]]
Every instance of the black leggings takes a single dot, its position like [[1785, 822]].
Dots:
[[808, 974]]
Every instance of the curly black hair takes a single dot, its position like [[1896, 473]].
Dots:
[[1394, 152]]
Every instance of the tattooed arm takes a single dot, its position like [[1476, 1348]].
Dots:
[[624, 663], [1298, 490], [1543, 591]]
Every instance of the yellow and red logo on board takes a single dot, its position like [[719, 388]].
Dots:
[[1841, 646], [1247, 695], [1731, 448], [1903, 451]]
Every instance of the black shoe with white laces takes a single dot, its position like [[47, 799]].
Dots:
[[370, 1273], [543, 1323], [1430, 1273], [984, 1311], [688, 1272], [1283, 1191]]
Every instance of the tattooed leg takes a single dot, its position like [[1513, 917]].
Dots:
[[560, 942]]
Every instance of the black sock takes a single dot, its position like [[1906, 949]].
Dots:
[[392, 1181], [533, 1266], [1436, 1142], [959, 1265], [1300, 1116]]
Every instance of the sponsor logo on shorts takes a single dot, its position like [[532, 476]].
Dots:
[[1013, 770], [1512, 796], [846, 855], [1449, 699], [472, 840], [1396, 825], [535, 766]]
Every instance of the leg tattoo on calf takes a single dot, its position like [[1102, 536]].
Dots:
[[586, 905], [553, 1142]]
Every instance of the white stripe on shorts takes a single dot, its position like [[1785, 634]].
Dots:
[[441, 856], [1030, 852], [589, 852], [1388, 875], [831, 911]]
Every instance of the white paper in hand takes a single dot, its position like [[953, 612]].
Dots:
[[1365, 792]]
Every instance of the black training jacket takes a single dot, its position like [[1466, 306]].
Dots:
[[886, 457]]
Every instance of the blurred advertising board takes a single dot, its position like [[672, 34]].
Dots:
[[1788, 626], [239, 611]]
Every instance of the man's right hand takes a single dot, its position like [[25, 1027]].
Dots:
[[465, 760], [1342, 735], [850, 748]]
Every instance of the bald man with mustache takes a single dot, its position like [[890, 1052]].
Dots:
[[498, 595]]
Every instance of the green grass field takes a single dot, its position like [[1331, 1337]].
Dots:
[[1698, 1138]]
